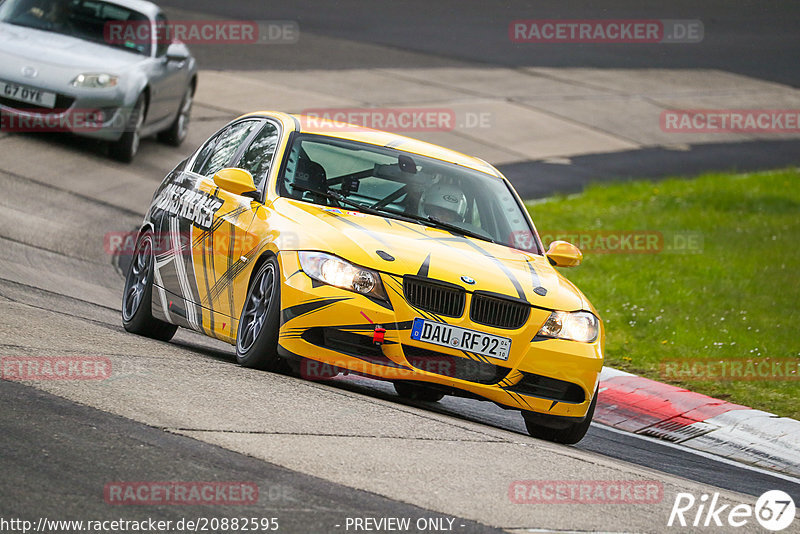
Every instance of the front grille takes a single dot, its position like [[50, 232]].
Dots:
[[63, 103], [498, 312], [549, 388], [433, 296], [454, 366]]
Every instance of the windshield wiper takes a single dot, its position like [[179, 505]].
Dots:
[[455, 228]]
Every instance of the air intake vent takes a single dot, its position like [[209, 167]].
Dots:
[[454, 366], [498, 312], [433, 296], [549, 388]]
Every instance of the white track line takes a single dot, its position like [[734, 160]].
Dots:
[[704, 454]]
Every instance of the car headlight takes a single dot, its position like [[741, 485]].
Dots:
[[575, 326], [95, 81], [337, 272]]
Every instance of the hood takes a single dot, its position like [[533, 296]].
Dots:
[[430, 252], [42, 49]]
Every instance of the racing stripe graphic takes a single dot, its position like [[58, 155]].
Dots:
[[230, 260], [502, 266], [367, 231], [477, 357], [298, 310], [207, 238], [537, 285], [425, 267], [484, 252], [226, 280], [218, 221], [158, 283], [180, 269], [511, 378], [170, 273]]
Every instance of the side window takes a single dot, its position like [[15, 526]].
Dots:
[[259, 155], [162, 35], [219, 151]]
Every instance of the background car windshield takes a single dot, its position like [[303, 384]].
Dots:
[[406, 184], [85, 19]]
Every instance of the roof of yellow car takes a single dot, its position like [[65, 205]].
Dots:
[[352, 132]]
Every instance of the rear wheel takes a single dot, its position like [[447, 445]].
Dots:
[[257, 336], [411, 391], [137, 297], [561, 432], [128, 145], [176, 134]]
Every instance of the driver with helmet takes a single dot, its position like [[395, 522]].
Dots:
[[445, 202]]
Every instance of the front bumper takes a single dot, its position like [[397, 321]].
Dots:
[[336, 327], [102, 115]]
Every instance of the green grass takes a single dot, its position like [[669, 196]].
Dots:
[[738, 298]]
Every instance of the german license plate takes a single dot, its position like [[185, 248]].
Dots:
[[29, 95], [456, 337]]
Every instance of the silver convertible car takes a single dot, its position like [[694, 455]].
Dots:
[[58, 67]]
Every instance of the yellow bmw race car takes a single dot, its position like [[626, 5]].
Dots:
[[324, 247]]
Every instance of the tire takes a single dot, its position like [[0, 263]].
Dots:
[[407, 390], [568, 434], [138, 295], [257, 335], [176, 134], [127, 146]]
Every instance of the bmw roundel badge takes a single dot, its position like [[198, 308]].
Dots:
[[468, 280]]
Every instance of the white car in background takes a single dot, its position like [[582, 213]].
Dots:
[[57, 62]]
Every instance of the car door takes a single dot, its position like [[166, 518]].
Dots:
[[203, 228], [227, 278], [168, 79]]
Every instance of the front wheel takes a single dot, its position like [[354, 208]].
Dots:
[[137, 297], [566, 433], [257, 335], [176, 134]]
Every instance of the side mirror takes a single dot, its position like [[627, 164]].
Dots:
[[563, 254], [177, 52], [236, 181]]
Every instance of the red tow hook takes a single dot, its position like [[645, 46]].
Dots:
[[378, 334]]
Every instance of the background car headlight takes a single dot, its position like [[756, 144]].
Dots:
[[98, 81], [334, 271], [574, 326]]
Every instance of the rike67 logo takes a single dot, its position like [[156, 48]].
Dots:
[[774, 510]]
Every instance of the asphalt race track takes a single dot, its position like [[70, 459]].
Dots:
[[321, 452]]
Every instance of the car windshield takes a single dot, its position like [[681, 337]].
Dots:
[[85, 19], [385, 181]]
